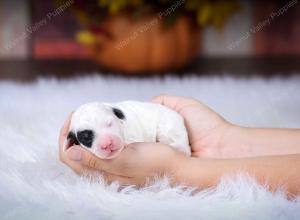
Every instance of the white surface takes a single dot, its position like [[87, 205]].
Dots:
[[35, 185]]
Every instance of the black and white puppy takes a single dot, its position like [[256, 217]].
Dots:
[[106, 128]]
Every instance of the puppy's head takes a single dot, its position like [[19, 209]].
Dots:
[[98, 128]]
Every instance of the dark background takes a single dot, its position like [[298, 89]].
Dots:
[[53, 51]]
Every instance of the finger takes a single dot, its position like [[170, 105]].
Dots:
[[66, 158], [88, 159], [62, 137], [166, 100], [174, 102], [81, 169], [109, 177], [93, 173], [65, 130]]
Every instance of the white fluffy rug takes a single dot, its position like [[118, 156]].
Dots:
[[35, 185]]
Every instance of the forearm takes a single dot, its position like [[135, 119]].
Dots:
[[251, 142], [273, 170]]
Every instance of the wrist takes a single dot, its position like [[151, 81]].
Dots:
[[233, 142], [179, 167], [196, 172]]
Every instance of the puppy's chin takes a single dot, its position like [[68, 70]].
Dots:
[[108, 155]]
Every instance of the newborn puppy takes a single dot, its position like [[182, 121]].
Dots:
[[105, 129]]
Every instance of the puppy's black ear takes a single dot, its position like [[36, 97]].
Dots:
[[119, 113], [71, 140]]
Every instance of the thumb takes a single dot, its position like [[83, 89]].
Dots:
[[86, 158], [173, 102], [167, 100], [160, 99]]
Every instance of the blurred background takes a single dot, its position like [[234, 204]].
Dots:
[[136, 37]]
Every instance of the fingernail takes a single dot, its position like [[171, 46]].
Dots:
[[74, 154]]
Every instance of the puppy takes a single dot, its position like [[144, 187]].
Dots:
[[105, 129]]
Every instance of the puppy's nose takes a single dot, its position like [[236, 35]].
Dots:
[[107, 147], [86, 137], [107, 144]]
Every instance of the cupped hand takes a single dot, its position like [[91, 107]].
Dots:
[[206, 129], [136, 164], [141, 161]]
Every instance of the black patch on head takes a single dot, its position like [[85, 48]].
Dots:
[[86, 137], [72, 139], [119, 113]]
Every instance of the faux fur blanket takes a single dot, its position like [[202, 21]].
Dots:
[[35, 185]]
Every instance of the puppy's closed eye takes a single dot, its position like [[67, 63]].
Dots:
[[119, 113]]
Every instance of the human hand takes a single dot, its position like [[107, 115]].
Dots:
[[208, 132], [136, 164]]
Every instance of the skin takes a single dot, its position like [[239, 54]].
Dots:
[[218, 148]]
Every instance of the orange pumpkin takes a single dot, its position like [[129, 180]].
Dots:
[[146, 45]]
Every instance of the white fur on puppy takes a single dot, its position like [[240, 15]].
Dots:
[[106, 128]]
